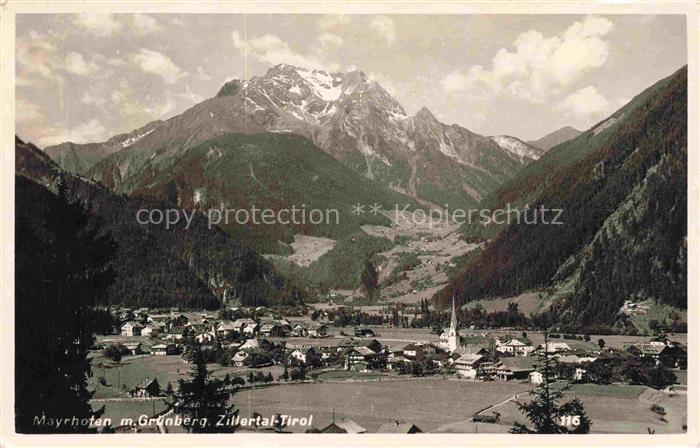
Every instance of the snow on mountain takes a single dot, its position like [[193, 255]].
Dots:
[[517, 147], [352, 118]]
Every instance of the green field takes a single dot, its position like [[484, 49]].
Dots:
[[349, 374], [133, 371], [611, 390], [617, 409], [117, 410], [427, 402], [659, 313]]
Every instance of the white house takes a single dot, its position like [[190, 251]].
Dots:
[[163, 349], [301, 354], [225, 328], [203, 338], [580, 374], [251, 329], [466, 365], [239, 357], [131, 329], [151, 329], [515, 346], [555, 347], [536, 377]]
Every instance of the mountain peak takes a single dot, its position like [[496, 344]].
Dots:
[[425, 114], [230, 88], [555, 138], [284, 69]]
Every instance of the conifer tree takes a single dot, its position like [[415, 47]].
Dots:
[[62, 266], [546, 414], [203, 399]]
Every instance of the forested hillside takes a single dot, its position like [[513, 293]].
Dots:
[[193, 268], [624, 213]]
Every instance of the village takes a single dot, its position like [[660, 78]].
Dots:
[[258, 348]]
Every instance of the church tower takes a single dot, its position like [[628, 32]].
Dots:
[[453, 334]]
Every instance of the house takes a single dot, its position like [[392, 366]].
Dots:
[[439, 359], [251, 329], [555, 347], [360, 359], [176, 334], [179, 321], [318, 331], [133, 347], [131, 329], [300, 331], [146, 389], [153, 318], [303, 354], [205, 338], [515, 346], [569, 359], [163, 349], [580, 374], [646, 350], [226, 328], [261, 344], [476, 349], [363, 332], [272, 330], [372, 344], [395, 362], [515, 368], [536, 377], [344, 427], [467, 365], [151, 329], [284, 325], [326, 351], [240, 324], [397, 427], [418, 350], [239, 357]]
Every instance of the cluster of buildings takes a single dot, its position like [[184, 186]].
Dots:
[[255, 339]]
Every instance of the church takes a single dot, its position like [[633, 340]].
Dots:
[[449, 340]]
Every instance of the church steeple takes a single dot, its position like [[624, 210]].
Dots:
[[453, 334]]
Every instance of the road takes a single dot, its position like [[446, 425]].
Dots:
[[492, 407]]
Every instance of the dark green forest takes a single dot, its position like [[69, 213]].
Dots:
[[154, 266], [624, 214]]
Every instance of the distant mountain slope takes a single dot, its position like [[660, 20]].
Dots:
[[623, 198], [531, 180], [518, 148], [266, 171], [194, 267], [79, 158], [555, 138], [347, 115]]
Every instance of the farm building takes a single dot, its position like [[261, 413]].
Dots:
[[479, 418], [344, 427], [163, 349], [515, 346], [133, 347], [397, 427], [363, 332], [516, 368], [149, 388], [318, 331]]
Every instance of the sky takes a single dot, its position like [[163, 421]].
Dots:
[[84, 78]]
